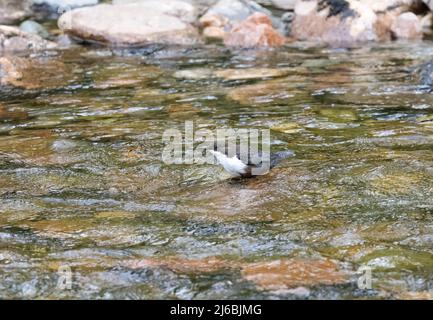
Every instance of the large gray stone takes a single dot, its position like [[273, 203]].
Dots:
[[134, 24]]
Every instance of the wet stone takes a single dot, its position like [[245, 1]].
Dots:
[[283, 274]]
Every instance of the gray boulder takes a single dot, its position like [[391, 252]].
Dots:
[[134, 24]]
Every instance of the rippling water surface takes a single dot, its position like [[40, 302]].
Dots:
[[82, 183]]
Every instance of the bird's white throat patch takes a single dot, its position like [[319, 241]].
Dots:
[[232, 165]]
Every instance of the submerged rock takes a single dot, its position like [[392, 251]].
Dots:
[[424, 74], [261, 93], [194, 74], [10, 73], [284, 4], [251, 73], [231, 74], [12, 115], [286, 274], [255, 31], [26, 73], [135, 24], [181, 265], [12, 39]]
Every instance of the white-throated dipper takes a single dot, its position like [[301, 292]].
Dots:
[[254, 166]]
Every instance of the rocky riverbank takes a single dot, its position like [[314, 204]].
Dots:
[[143, 22], [233, 23]]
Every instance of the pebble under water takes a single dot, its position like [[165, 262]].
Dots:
[[82, 183]]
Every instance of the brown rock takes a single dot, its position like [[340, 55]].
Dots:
[[382, 26], [26, 73], [214, 26], [250, 73], [213, 20], [285, 274], [181, 265], [260, 93], [214, 32], [6, 114], [255, 31], [414, 295]]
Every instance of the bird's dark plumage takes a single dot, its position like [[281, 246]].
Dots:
[[254, 160]]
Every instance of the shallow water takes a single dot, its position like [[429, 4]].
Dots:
[[82, 183]]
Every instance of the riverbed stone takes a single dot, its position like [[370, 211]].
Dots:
[[57, 5], [32, 27], [261, 93], [407, 26], [213, 33], [26, 73], [340, 24], [12, 115], [284, 4], [287, 127], [135, 24], [9, 71], [194, 74], [255, 31], [251, 73], [225, 14], [415, 295], [12, 39], [106, 215], [182, 265], [347, 22], [292, 273], [13, 12]]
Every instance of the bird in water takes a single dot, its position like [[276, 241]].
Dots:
[[245, 169]]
